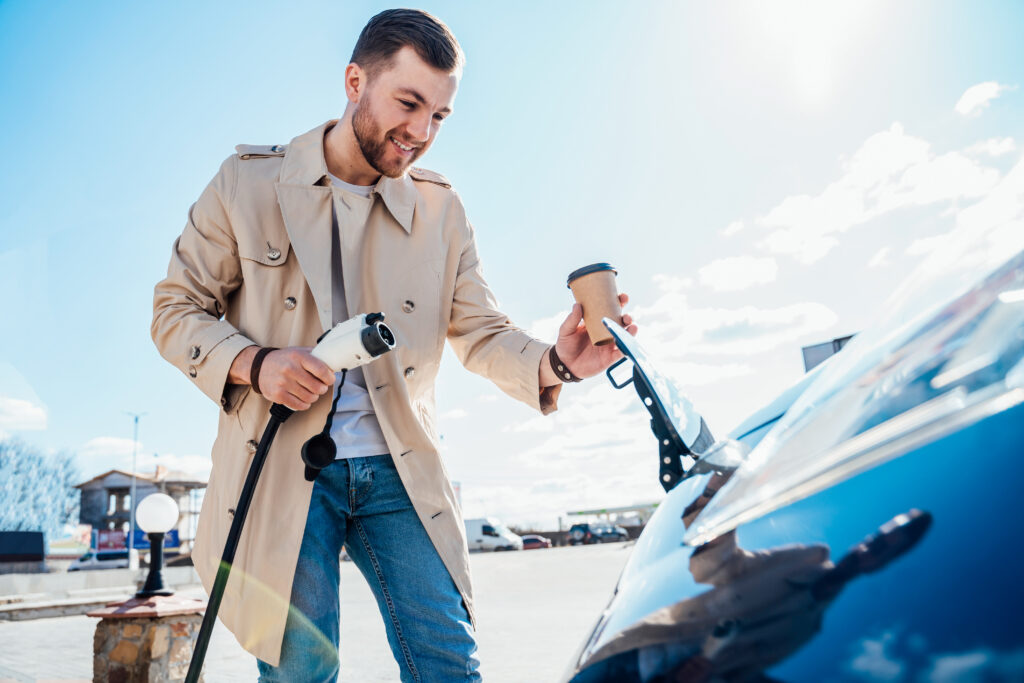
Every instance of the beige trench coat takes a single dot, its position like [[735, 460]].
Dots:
[[253, 267]]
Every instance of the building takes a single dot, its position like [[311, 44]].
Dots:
[[106, 499]]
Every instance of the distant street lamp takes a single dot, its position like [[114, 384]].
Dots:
[[157, 514], [133, 554]]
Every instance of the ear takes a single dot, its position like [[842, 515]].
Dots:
[[355, 82]]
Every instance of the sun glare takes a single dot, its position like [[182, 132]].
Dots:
[[815, 36]]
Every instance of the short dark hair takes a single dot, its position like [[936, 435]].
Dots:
[[391, 30]]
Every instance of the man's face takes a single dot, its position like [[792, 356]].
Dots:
[[400, 112]]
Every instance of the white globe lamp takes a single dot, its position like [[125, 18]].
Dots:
[[156, 515]]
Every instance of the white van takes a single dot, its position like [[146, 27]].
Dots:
[[488, 533], [101, 559]]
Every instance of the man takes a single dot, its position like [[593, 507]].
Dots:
[[284, 243]]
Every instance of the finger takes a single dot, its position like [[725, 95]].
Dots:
[[317, 368], [627, 320], [296, 403], [311, 383], [623, 299], [301, 393], [633, 329], [572, 321]]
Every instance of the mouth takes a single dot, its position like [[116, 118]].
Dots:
[[403, 149]]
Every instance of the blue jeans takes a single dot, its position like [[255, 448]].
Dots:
[[362, 504]]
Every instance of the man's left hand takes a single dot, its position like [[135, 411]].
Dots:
[[575, 349]]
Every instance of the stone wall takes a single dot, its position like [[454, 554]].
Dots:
[[144, 650]]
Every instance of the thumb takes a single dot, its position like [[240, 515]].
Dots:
[[572, 321]]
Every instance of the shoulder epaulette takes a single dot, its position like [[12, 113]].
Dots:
[[429, 176], [260, 151]]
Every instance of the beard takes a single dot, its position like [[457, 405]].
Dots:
[[374, 144]]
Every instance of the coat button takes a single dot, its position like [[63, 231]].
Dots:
[[192, 371], [289, 303], [409, 306], [273, 253], [410, 371], [194, 352], [251, 445]]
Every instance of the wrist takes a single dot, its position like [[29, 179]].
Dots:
[[548, 378], [560, 368], [257, 364], [242, 365]]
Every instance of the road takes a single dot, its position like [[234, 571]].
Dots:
[[534, 609]]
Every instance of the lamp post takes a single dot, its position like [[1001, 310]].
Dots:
[[133, 555], [157, 514]]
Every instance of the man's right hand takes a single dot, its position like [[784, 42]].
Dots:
[[292, 377]]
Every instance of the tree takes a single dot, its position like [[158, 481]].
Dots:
[[37, 491]]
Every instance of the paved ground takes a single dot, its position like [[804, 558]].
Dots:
[[534, 608]]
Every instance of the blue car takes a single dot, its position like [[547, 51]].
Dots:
[[865, 526]]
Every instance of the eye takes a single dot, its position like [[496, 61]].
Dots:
[[439, 117], [408, 105]]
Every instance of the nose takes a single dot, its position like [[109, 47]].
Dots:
[[419, 127]]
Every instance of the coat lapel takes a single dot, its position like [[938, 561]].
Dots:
[[306, 202], [306, 209]]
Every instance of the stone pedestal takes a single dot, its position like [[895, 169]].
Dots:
[[145, 640]]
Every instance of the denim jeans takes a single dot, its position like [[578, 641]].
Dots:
[[361, 503]]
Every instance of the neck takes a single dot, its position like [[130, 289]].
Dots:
[[344, 158]]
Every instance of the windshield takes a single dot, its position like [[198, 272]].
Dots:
[[950, 351]]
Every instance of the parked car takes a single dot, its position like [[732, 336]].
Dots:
[[100, 559], [488, 533], [531, 541], [863, 526], [585, 533]]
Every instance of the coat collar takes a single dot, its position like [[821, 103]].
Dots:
[[304, 164]]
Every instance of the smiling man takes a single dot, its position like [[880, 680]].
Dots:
[[287, 241]]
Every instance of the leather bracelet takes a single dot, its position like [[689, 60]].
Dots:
[[257, 363], [562, 370]]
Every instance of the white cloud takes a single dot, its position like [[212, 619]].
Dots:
[[976, 666], [732, 229], [875, 661], [993, 147], [671, 283], [487, 398], [673, 331], [977, 97], [547, 328], [454, 414], [19, 414], [690, 374], [191, 464], [927, 245], [109, 446], [736, 273], [880, 259], [891, 170]]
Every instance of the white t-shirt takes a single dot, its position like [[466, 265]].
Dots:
[[355, 428]]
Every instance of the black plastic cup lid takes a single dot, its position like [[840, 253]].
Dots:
[[587, 270]]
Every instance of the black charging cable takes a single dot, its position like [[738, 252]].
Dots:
[[278, 415], [319, 451]]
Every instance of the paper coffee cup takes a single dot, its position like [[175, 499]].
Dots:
[[595, 290]]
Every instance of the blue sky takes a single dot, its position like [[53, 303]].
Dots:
[[762, 174]]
